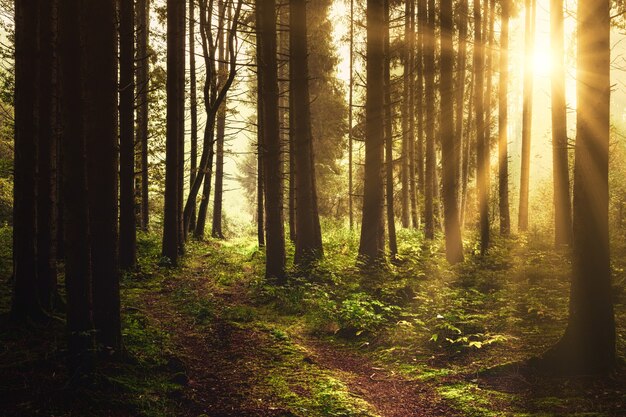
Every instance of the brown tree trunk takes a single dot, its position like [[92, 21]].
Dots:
[[449, 142], [193, 108], [482, 147], [275, 234], [25, 293], [100, 53], [462, 16], [128, 234], [527, 113], [372, 243], [308, 236], [74, 177], [143, 84], [419, 92], [412, 123], [391, 220], [429, 77], [216, 227], [175, 100], [560, 167], [406, 105], [350, 138], [46, 158], [588, 345], [503, 117]]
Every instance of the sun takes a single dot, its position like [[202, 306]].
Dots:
[[542, 62]]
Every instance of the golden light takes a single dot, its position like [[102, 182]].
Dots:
[[542, 61]]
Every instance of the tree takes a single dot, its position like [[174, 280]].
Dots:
[[214, 93], [527, 112], [429, 101], [482, 146], [309, 235], [449, 143], [503, 153], [461, 63], [46, 158], [350, 136], [100, 129], [588, 345], [128, 233], [142, 84], [406, 106], [175, 104], [25, 295], [74, 177], [274, 232], [193, 108], [372, 242], [391, 221], [216, 227], [560, 167]]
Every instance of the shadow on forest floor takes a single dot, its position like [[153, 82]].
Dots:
[[211, 338]]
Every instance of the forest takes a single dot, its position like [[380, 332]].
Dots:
[[382, 208]]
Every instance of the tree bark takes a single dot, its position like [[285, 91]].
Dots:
[[216, 227], [459, 117], [372, 243], [560, 164], [588, 345], [308, 236], [74, 177], [527, 111], [193, 108], [25, 292], [482, 147], [172, 148], [503, 120], [275, 234], [46, 157], [128, 233], [429, 78], [143, 85], [391, 221], [100, 53], [449, 142], [406, 105]]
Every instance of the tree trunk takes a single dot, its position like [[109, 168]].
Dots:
[[527, 113], [216, 227], [462, 15], [75, 201], [412, 125], [482, 147], [560, 167], [260, 192], [308, 236], [25, 296], [46, 158], [143, 83], [372, 243], [128, 234], [503, 108], [275, 234], [174, 102], [100, 53], [429, 77], [350, 138], [193, 108], [419, 92], [391, 221], [588, 345], [449, 142], [406, 92]]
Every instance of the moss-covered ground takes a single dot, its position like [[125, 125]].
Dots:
[[418, 338]]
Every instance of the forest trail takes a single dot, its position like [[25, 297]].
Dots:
[[233, 364]]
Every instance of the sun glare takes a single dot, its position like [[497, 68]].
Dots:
[[542, 62]]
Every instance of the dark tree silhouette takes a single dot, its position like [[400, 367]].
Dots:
[[372, 243], [503, 117]]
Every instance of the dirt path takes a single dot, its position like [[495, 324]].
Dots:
[[391, 395], [220, 363]]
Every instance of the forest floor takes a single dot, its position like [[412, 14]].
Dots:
[[212, 338]]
